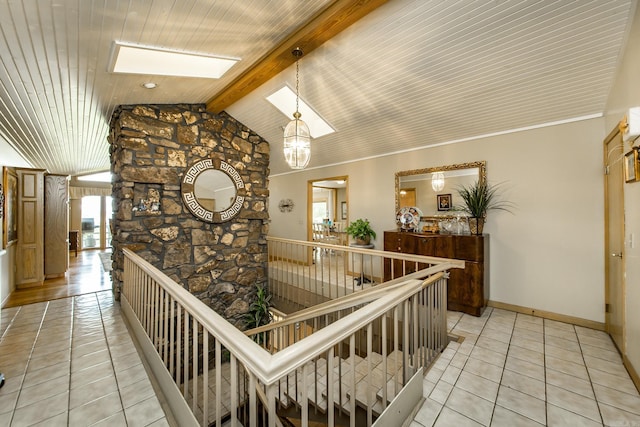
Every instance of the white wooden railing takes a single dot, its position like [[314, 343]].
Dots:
[[304, 274], [361, 353]]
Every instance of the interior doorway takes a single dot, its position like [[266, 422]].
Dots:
[[614, 239], [327, 203]]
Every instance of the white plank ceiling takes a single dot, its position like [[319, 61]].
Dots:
[[412, 73]]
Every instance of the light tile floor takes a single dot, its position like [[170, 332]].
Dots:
[[519, 370], [72, 362]]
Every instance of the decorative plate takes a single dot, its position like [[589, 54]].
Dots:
[[408, 218]]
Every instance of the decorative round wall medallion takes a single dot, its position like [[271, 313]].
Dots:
[[213, 190], [286, 205]]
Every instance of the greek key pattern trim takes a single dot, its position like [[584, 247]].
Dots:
[[191, 201], [196, 208]]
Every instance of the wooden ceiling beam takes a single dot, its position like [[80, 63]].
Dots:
[[321, 28]]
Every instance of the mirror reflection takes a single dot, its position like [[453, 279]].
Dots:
[[214, 190], [434, 190]]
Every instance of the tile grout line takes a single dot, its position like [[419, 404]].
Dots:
[[13, 411], [115, 377], [71, 338], [13, 318], [104, 334], [595, 397], [504, 367], [461, 369], [26, 367]]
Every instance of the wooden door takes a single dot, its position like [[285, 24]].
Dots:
[[56, 226], [614, 238], [30, 249]]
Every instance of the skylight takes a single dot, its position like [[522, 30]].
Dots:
[[96, 177], [135, 59], [285, 101]]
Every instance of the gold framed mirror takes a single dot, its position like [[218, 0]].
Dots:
[[434, 194], [213, 190]]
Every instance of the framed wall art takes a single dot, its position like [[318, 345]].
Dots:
[[10, 220], [343, 206], [444, 202], [631, 166]]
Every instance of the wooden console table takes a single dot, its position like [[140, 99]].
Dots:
[[468, 289]]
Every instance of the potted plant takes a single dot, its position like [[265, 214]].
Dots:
[[259, 312], [479, 198], [361, 231]]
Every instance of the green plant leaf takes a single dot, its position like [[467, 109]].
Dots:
[[360, 229]]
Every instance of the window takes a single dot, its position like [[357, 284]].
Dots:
[[95, 225], [320, 210]]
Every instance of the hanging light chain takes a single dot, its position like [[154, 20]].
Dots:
[[297, 83], [297, 52]]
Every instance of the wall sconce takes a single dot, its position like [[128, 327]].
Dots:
[[630, 125]]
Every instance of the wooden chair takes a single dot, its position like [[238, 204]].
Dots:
[[331, 235], [318, 232]]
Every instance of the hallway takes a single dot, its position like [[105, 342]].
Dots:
[[72, 362], [513, 369], [85, 275]]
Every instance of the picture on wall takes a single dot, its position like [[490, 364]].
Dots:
[[344, 210], [444, 202], [10, 221], [632, 166]]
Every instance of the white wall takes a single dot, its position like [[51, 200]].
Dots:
[[626, 94], [9, 157], [547, 255]]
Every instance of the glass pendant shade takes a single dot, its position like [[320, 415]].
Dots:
[[297, 143], [437, 181]]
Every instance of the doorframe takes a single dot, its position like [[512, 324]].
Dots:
[[310, 204], [615, 133]]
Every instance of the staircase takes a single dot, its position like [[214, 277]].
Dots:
[[368, 387], [290, 395]]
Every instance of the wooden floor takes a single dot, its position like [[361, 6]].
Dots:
[[85, 275]]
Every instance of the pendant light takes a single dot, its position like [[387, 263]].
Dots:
[[297, 139], [437, 181]]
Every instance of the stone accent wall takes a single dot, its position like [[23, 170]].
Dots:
[[151, 148]]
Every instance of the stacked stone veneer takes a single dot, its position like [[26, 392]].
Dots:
[[151, 148]]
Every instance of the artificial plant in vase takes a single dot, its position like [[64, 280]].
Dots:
[[361, 231], [479, 198]]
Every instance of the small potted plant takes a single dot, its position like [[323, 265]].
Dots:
[[259, 312], [479, 198], [361, 231]]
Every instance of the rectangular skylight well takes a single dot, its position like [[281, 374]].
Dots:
[[285, 101], [96, 177], [135, 59]]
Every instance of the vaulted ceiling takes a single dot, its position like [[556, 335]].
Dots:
[[387, 75]]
